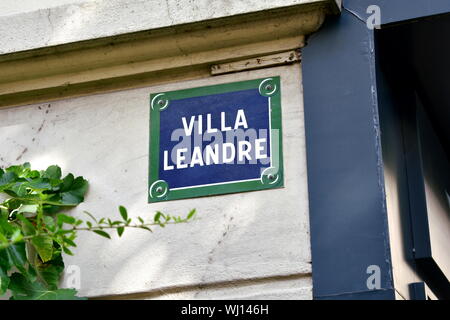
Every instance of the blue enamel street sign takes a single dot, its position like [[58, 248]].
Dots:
[[214, 140]]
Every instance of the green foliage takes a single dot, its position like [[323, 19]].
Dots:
[[34, 231]]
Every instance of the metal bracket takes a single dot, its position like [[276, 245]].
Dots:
[[287, 57]]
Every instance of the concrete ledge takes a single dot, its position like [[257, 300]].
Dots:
[[88, 19], [154, 56], [286, 287]]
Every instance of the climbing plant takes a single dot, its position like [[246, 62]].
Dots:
[[36, 229]]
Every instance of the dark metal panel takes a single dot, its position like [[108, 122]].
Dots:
[[428, 173], [346, 188], [394, 11], [417, 291], [416, 187], [388, 294]]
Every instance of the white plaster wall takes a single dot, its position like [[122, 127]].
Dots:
[[10, 7], [262, 235], [31, 24]]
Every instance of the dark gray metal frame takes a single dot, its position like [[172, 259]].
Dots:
[[349, 230]]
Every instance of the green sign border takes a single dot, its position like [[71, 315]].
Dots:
[[273, 178]]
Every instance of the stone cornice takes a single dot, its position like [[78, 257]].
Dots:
[[153, 56]]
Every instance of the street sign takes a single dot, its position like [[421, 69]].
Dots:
[[216, 139]]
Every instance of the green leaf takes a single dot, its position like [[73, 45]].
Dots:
[[64, 231], [91, 216], [6, 179], [5, 226], [49, 222], [102, 233], [15, 256], [62, 218], [120, 231], [51, 209], [67, 182], [3, 238], [123, 213], [191, 214], [146, 228], [23, 289], [19, 169], [4, 281], [69, 242], [69, 198], [39, 184], [51, 271], [53, 172], [44, 247], [33, 174], [67, 251], [75, 192], [17, 236], [60, 294], [19, 188], [27, 227], [157, 216]]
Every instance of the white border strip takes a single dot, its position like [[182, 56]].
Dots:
[[214, 184]]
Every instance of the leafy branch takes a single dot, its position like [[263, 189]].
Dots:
[[54, 230], [34, 232]]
